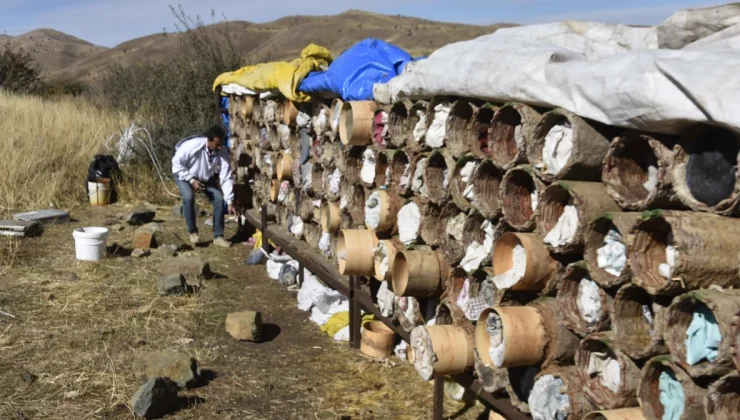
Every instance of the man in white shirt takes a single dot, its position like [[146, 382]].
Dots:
[[202, 164]]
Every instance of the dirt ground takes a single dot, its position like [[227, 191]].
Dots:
[[68, 353]]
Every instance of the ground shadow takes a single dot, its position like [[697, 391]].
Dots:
[[216, 276], [186, 403], [206, 377], [269, 332], [118, 251]]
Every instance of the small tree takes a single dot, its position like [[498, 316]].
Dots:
[[16, 73]]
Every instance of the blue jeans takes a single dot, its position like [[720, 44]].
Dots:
[[214, 194]]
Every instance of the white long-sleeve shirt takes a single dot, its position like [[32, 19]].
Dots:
[[192, 161]]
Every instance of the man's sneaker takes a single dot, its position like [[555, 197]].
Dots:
[[194, 238], [222, 242]]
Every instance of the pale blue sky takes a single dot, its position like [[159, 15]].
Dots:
[[109, 22]]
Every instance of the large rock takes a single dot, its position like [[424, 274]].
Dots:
[[171, 285], [193, 269], [167, 251], [245, 326], [153, 235], [139, 217], [181, 368], [139, 253], [156, 398]]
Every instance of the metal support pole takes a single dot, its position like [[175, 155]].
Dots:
[[301, 270], [265, 245], [439, 398], [355, 314]]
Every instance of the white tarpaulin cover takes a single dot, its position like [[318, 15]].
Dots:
[[660, 79]]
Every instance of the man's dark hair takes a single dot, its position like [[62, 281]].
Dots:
[[215, 131]]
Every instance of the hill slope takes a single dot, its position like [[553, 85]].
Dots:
[[277, 40], [53, 50]]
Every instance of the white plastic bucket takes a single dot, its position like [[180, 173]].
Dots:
[[99, 191], [90, 243]]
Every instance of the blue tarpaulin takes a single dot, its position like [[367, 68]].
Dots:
[[352, 75], [224, 105]]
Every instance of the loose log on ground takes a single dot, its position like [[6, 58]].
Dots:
[[705, 175], [722, 402], [702, 248], [602, 345], [486, 187], [461, 181], [638, 322], [437, 176], [589, 146], [574, 283], [637, 172], [520, 195], [723, 305], [590, 200], [512, 130], [649, 392], [604, 250]]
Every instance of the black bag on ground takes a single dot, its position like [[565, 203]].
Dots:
[[105, 166]]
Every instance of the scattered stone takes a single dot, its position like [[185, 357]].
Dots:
[[172, 285], [29, 377], [167, 251], [139, 217], [71, 395], [117, 227], [245, 326], [180, 368], [138, 253], [73, 277], [193, 269], [111, 222], [153, 235], [156, 398]]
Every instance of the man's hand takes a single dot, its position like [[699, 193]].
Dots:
[[232, 210], [197, 185]]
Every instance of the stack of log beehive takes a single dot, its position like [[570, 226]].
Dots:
[[486, 183]]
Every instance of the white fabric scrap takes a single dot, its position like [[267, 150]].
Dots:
[[652, 182], [400, 350], [607, 369], [312, 292], [409, 222], [534, 199], [381, 253], [464, 296], [334, 180], [510, 278], [466, 175], [337, 113], [666, 268], [557, 151], [456, 226], [435, 136], [547, 400], [495, 329], [295, 225], [477, 253], [589, 301], [320, 121], [647, 314], [445, 178], [417, 184], [325, 243], [612, 256], [372, 211], [424, 357], [283, 191], [303, 120], [270, 111], [275, 263], [342, 335], [519, 138], [386, 300], [367, 173], [406, 176], [564, 232], [387, 176], [421, 126], [284, 135], [343, 203]]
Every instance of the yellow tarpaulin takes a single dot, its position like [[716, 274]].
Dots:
[[280, 75], [341, 320]]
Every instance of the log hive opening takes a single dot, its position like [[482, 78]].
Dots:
[[520, 193], [385, 254], [557, 394], [317, 181], [323, 150], [355, 255], [356, 123], [333, 181], [453, 223], [566, 209], [369, 167], [402, 169], [521, 262], [381, 211], [473, 230], [432, 226], [274, 137], [722, 402], [606, 248], [585, 306], [312, 233], [335, 114], [609, 377], [698, 331], [634, 413], [486, 187], [436, 116], [321, 114], [637, 322], [419, 122], [437, 176], [416, 273], [459, 133], [520, 385], [675, 251], [461, 185], [441, 350], [565, 146], [353, 161], [511, 336], [511, 132], [637, 172], [482, 128], [661, 376], [356, 206], [705, 170], [382, 169], [400, 123]]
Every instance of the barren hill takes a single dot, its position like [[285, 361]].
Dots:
[[61, 56]]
